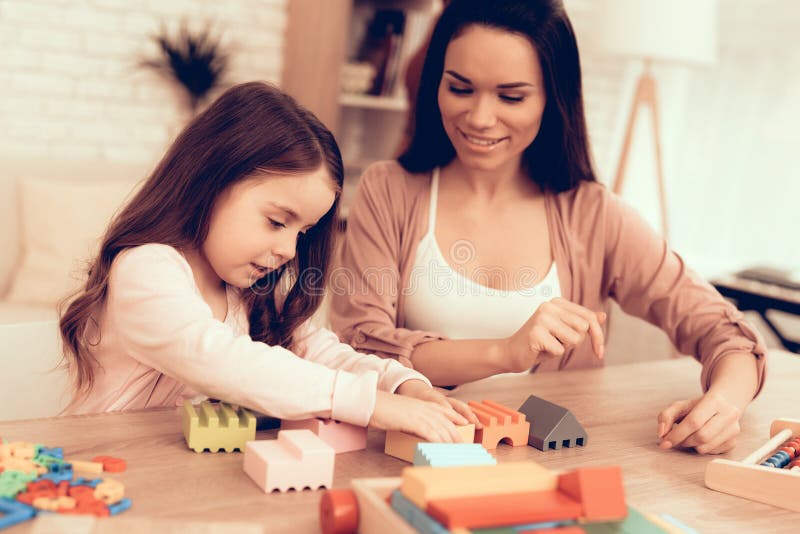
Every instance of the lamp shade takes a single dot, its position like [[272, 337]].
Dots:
[[683, 31]]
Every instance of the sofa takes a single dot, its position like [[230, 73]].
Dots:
[[52, 215]]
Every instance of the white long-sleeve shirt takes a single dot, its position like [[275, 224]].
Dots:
[[160, 344]]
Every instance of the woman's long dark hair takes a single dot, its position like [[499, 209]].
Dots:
[[559, 158], [251, 128]]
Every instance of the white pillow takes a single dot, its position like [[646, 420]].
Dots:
[[61, 225]]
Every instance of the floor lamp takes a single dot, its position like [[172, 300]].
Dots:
[[674, 31]]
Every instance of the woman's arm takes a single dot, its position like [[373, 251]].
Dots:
[[652, 282], [366, 284], [554, 328]]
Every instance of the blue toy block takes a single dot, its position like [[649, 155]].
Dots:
[[415, 517], [55, 452], [13, 512], [59, 473], [120, 506], [452, 454]]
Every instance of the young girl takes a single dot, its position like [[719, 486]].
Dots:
[[205, 283], [505, 250]]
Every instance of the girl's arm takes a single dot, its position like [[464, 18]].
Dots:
[[323, 346], [155, 315]]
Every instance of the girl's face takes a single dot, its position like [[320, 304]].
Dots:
[[491, 96], [255, 223]]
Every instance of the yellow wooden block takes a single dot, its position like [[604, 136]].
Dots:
[[402, 445], [80, 466], [217, 429], [422, 484], [109, 491]]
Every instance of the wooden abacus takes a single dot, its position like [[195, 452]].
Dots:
[[750, 480]]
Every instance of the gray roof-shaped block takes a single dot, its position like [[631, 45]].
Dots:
[[552, 426]]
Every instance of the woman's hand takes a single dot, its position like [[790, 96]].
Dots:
[[429, 420], [556, 326], [708, 424], [420, 390]]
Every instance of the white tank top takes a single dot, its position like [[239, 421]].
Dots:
[[441, 299]]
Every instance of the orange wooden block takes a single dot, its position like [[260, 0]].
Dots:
[[574, 529], [500, 423], [504, 509], [111, 464], [402, 445], [598, 489]]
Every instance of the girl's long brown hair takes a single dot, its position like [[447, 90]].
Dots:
[[251, 128]]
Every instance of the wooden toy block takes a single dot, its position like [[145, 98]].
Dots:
[[119, 507], [504, 509], [552, 426], [343, 437], [297, 459], [598, 489], [634, 523], [375, 514], [403, 445], [669, 524], [570, 529], [424, 484], [749, 480], [452, 454], [92, 468], [500, 423], [109, 491], [224, 429], [338, 511], [111, 464], [414, 516]]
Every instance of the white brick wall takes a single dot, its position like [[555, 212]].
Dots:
[[69, 82]]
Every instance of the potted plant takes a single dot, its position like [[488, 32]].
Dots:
[[194, 60]]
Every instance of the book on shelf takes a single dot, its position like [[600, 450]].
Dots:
[[380, 46]]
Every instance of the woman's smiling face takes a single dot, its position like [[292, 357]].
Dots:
[[491, 96]]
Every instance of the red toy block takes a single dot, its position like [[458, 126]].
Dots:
[[111, 464], [41, 485], [499, 423], [599, 490], [486, 511], [338, 512], [573, 529], [29, 496], [81, 493]]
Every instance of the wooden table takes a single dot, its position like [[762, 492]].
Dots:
[[617, 406]]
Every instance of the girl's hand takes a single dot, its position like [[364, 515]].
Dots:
[[556, 326], [420, 390], [428, 420], [709, 424]]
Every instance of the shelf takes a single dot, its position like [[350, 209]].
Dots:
[[385, 103]]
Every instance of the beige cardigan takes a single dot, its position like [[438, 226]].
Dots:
[[602, 248]]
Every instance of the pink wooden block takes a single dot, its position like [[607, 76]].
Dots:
[[297, 459], [343, 437]]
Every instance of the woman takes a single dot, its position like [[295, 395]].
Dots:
[[490, 247]]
